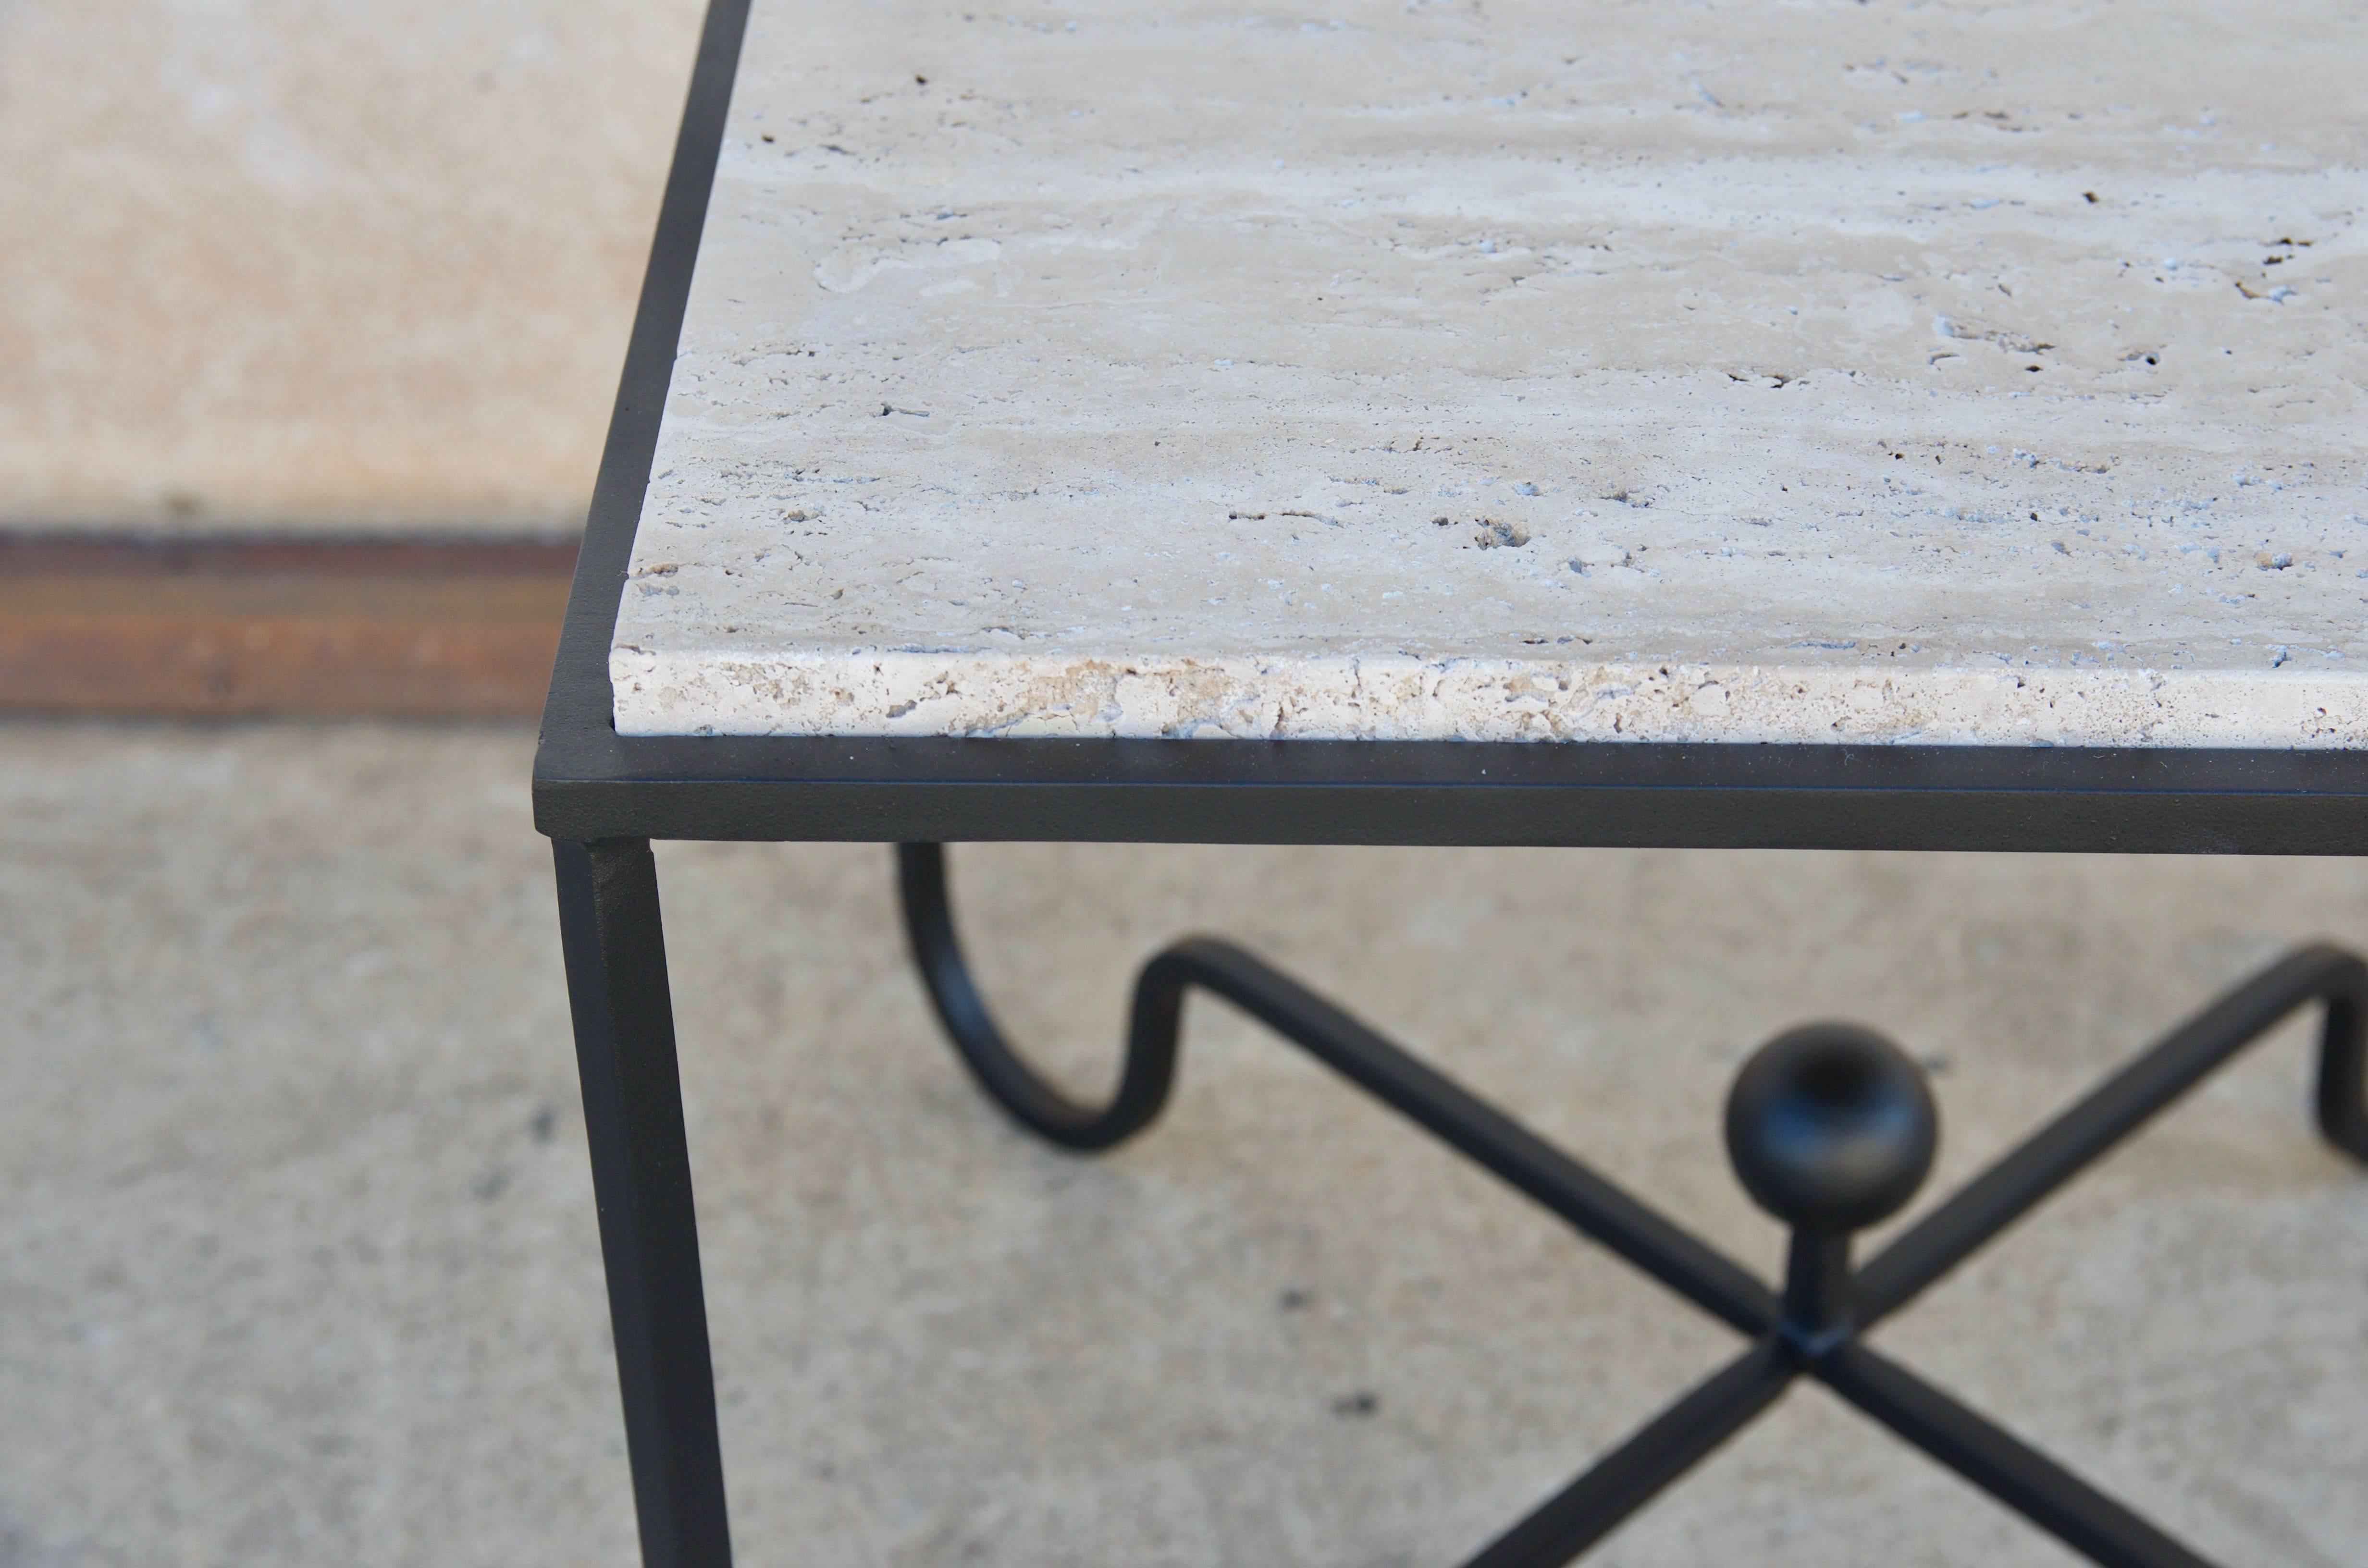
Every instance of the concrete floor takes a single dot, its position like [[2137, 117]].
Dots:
[[298, 1263]]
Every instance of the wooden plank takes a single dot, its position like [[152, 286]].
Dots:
[[225, 628]]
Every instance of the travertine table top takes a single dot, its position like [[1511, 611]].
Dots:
[[1504, 371]]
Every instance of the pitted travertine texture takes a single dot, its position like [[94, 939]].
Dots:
[[1768, 372]]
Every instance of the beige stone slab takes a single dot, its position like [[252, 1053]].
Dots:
[[290, 263], [1949, 373]]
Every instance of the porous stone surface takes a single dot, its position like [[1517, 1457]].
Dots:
[[1824, 372]]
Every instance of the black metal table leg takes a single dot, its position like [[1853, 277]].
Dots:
[[615, 948]]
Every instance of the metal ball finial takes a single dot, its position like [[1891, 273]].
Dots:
[[1831, 1128]]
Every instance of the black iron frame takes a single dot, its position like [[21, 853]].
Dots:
[[601, 797], [1812, 1327]]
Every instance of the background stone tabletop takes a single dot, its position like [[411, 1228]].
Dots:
[[1947, 372]]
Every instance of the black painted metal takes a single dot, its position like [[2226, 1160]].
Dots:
[[1832, 1129], [610, 929], [590, 783], [617, 990]]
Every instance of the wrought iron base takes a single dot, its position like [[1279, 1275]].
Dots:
[[1831, 1130]]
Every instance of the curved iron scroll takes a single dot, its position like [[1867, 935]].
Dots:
[[2315, 973], [1036, 1105], [1436, 1103]]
